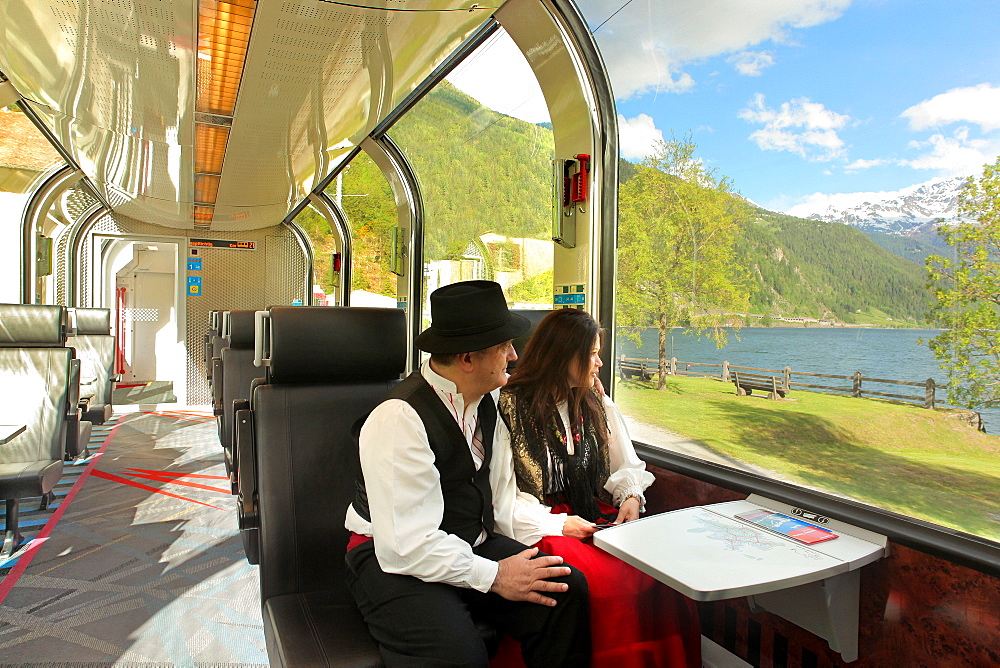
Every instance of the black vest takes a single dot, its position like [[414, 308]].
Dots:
[[468, 499]]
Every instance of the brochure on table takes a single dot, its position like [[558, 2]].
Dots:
[[708, 554]]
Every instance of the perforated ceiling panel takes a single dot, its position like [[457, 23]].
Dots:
[[116, 81], [113, 79], [318, 77]]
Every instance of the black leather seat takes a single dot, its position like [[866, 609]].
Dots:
[[95, 348], [534, 316], [214, 332], [237, 373], [38, 371], [327, 367]]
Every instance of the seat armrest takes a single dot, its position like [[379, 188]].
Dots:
[[217, 386], [247, 506], [74, 419], [74, 385], [244, 457], [208, 356], [232, 451]]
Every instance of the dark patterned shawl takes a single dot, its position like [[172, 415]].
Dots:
[[580, 476]]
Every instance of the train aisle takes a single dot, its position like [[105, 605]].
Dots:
[[140, 562]]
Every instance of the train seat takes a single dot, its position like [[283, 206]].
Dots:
[[35, 361], [324, 371], [215, 377], [95, 348], [238, 372], [214, 332], [534, 316]]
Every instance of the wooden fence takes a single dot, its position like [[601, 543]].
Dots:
[[857, 386]]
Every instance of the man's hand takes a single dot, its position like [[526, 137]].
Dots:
[[522, 578], [577, 527], [629, 510]]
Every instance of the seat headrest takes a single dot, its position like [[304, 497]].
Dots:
[[32, 325], [215, 323], [534, 316], [93, 321], [240, 332], [311, 344]]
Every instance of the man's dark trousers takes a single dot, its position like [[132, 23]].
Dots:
[[419, 623]]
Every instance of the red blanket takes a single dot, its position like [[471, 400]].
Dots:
[[636, 622]]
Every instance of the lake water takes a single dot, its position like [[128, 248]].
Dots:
[[877, 353]]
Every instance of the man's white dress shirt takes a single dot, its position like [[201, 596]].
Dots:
[[406, 503], [405, 499]]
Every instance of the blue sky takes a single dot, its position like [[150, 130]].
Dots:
[[797, 101]]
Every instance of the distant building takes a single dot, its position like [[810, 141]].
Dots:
[[506, 260]]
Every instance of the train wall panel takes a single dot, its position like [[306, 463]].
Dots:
[[272, 273]]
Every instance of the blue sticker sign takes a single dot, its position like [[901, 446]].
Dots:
[[194, 286], [569, 299], [194, 264]]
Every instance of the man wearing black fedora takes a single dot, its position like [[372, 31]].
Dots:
[[433, 518]]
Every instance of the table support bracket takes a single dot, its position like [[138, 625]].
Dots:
[[828, 608]]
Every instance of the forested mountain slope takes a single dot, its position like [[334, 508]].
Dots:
[[912, 248], [822, 270], [481, 171]]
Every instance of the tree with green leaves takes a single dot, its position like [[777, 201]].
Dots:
[[966, 292], [677, 230]]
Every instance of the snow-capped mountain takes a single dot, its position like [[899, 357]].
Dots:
[[906, 212]]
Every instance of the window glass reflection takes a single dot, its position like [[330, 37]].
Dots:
[[484, 174], [846, 131], [24, 156]]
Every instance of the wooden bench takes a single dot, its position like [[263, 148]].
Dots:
[[632, 369], [746, 383]]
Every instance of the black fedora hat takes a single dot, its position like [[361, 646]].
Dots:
[[469, 316]]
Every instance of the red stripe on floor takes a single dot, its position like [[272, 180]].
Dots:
[[177, 416], [22, 563], [125, 481], [174, 481], [175, 474]]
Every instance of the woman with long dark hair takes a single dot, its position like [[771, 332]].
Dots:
[[571, 452]]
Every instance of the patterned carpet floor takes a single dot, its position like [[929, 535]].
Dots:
[[140, 562]]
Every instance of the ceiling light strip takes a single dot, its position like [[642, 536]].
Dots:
[[223, 38]]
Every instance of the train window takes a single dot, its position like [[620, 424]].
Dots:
[[366, 198], [68, 206], [25, 156], [484, 175], [783, 172]]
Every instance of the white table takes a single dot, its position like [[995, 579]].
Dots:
[[707, 554], [9, 431]]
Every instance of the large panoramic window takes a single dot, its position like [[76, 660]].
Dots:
[[786, 171], [485, 178], [363, 194], [24, 156]]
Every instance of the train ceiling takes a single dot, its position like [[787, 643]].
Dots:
[[220, 115]]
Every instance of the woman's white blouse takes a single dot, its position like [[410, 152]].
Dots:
[[531, 519]]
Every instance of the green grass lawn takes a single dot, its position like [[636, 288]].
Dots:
[[918, 462]]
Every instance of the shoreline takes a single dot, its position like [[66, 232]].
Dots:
[[799, 326]]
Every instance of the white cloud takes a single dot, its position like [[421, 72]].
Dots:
[[499, 77], [860, 164], [647, 45], [636, 136], [799, 126], [957, 155], [751, 63], [975, 104]]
